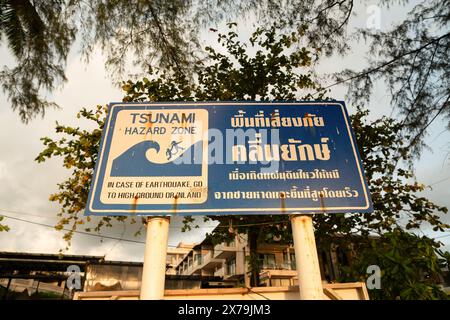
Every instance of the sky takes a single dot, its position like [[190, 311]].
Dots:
[[25, 185]]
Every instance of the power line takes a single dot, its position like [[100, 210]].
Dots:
[[259, 294], [74, 231], [439, 181], [444, 236], [106, 237], [272, 250], [173, 227], [25, 213], [131, 240]]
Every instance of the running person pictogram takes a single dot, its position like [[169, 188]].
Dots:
[[173, 149]]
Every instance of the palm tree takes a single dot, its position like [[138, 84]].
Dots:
[[21, 25]]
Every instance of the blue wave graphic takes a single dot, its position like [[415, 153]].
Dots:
[[134, 163]]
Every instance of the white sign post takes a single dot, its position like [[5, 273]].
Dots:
[[154, 270], [307, 262]]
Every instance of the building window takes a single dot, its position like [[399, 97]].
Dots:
[[342, 257], [231, 267], [327, 266], [267, 260], [198, 259], [230, 243], [289, 261]]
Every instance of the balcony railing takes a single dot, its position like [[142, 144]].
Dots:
[[219, 273], [210, 261], [279, 266], [207, 256], [224, 250], [198, 261], [224, 272]]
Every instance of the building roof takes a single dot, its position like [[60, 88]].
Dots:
[[41, 265]]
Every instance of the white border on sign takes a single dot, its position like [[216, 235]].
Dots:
[[256, 210]]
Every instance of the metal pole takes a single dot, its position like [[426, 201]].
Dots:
[[7, 289], [37, 287], [154, 270], [306, 259]]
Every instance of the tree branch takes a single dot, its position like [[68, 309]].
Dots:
[[365, 73]]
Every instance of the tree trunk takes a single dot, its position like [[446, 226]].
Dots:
[[254, 261]]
